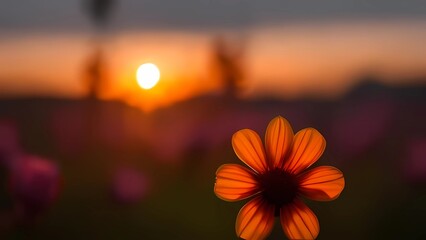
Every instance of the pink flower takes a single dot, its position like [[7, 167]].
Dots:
[[359, 127], [129, 186], [34, 183], [415, 160], [9, 142], [68, 128]]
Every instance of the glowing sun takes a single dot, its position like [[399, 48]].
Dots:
[[147, 75]]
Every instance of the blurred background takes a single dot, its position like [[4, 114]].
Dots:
[[93, 146]]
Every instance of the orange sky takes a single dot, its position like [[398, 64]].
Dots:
[[281, 60]]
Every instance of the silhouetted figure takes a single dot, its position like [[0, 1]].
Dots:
[[228, 66], [100, 12], [95, 78]]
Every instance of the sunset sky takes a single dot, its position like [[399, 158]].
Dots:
[[291, 49]]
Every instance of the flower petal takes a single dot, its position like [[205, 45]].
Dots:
[[278, 140], [308, 146], [255, 219], [298, 221], [234, 182], [248, 147], [323, 183]]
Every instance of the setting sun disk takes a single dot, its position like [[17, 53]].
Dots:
[[147, 75]]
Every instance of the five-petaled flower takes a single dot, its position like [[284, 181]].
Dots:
[[277, 181]]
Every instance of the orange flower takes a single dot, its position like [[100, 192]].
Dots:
[[277, 181]]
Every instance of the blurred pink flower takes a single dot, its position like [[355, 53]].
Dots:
[[9, 142], [360, 126], [179, 131], [68, 128], [207, 129], [415, 160], [34, 183], [129, 186], [110, 127], [221, 126]]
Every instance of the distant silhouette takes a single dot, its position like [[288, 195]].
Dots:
[[228, 67], [94, 77], [100, 12]]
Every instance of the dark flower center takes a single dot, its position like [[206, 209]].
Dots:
[[279, 187]]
